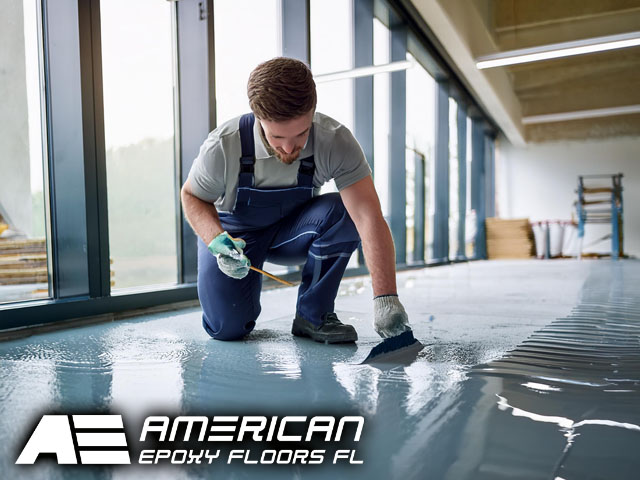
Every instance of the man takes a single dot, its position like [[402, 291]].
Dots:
[[251, 196]]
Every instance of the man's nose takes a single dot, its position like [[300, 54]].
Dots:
[[288, 147]]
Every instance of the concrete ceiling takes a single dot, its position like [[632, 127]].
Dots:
[[468, 29]]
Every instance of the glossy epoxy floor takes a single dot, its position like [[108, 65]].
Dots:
[[531, 370]]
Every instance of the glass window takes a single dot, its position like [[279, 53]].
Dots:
[[381, 114], [23, 193], [331, 40], [238, 53], [410, 206], [470, 218], [421, 96], [453, 178], [137, 58], [331, 23]]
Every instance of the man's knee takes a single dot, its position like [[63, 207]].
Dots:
[[229, 329]]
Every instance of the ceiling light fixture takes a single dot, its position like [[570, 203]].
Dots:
[[364, 71], [580, 114], [558, 50]]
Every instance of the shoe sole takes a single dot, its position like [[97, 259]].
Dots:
[[323, 338]]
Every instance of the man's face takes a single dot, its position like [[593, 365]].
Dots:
[[288, 138]]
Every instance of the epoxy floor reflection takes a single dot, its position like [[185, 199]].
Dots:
[[530, 369]]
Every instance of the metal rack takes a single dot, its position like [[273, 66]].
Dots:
[[601, 204]]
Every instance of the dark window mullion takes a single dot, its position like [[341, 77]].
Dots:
[[65, 146], [478, 184], [195, 92], [441, 173], [94, 149], [462, 180]]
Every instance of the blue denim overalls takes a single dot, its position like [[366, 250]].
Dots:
[[286, 226]]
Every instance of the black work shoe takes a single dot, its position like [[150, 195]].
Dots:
[[331, 330]]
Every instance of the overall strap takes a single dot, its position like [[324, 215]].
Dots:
[[306, 171], [248, 158]]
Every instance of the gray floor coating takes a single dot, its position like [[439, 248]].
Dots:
[[446, 415]]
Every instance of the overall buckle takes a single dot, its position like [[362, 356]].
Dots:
[[246, 164]]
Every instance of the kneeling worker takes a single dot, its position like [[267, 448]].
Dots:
[[252, 196]]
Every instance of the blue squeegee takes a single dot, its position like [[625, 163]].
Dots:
[[402, 348]]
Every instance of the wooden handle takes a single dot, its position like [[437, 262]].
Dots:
[[267, 274], [277, 279]]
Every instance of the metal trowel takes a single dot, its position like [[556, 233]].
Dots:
[[401, 349]]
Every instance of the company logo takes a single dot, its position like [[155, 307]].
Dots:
[[101, 440], [78, 439]]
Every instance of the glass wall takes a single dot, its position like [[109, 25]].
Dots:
[[146, 156], [331, 34], [421, 96], [23, 193], [247, 32], [454, 193], [138, 82], [381, 114], [470, 218], [331, 29]]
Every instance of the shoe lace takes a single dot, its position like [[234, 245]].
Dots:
[[332, 319]]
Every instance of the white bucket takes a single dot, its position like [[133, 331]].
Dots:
[[540, 235], [556, 231]]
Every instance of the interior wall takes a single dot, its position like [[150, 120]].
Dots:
[[539, 182]]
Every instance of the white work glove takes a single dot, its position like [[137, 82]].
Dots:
[[389, 316]]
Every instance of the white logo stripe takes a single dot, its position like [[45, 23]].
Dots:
[[101, 440], [97, 421], [104, 458]]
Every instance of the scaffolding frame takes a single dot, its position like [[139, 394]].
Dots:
[[601, 205]]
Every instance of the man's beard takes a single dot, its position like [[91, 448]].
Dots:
[[288, 158]]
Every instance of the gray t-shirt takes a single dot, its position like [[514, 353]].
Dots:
[[214, 174]]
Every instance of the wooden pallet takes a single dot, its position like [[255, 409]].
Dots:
[[509, 238], [17, 276], [27, 260], [34, 245], [23, 261]]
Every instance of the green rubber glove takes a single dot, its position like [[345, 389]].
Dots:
[[231, 260]]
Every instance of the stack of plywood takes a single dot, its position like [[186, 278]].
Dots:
[[22, 261], [509, 238]]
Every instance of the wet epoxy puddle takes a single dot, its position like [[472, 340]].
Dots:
[[577, 380], [546, 398]]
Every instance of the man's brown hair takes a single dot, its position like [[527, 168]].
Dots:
[[281, 89]]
